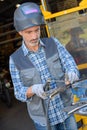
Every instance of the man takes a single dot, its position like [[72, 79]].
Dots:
[[77, 45], [36, 61]]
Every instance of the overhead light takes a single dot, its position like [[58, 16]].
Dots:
[[1, 0], [17, 5]]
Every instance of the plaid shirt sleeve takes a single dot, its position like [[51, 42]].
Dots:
[[19, 88], [67, 60]]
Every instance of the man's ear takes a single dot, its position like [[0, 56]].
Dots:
[[20, 33]]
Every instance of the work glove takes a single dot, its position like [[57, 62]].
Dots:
[[38, 90], [71, 77]]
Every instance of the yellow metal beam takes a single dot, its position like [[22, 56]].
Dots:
[[82, 66], [45, 13], [83, 2], [48, 33], [48, 15]]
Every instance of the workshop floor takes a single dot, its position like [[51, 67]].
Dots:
[[16, 117]]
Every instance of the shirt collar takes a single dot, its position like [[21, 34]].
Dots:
[[26, 50]]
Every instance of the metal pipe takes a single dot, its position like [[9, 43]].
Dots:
[[11, 40], [6, 25], [9, 32], [42, 1]]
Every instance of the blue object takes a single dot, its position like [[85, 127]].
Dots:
[[80, 90]]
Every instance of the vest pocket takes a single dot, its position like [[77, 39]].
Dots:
[[55, 67], [27, 77], [35, 107]]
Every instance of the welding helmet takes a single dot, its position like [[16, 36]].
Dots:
[[28, 15]]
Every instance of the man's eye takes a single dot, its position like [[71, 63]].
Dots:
[[37, 30], [28, 32]]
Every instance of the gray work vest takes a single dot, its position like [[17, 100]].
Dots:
[[29, 75]]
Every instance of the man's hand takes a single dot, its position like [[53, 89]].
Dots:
[[70, 77], [38, 90]]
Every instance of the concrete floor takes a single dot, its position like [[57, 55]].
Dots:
[[16, 117]]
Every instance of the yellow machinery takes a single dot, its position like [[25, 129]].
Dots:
[[70, 27], [60, 23]]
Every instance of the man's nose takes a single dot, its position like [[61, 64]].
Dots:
[[34, 35]]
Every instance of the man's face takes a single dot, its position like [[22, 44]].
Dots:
[[31, 36]]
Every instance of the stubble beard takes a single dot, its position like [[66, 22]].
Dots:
[[33, 43]]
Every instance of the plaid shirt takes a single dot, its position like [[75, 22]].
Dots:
[[56, 115]]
